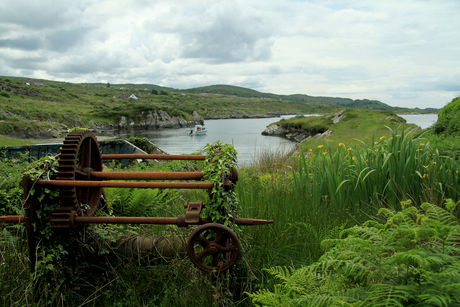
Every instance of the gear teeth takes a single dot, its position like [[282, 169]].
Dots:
[[61, 218]]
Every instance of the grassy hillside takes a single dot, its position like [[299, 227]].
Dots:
[[355, 126], [445, 134], [328, 101], [32, 105], [61, 102]]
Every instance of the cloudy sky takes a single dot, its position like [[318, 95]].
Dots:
[[403, 52]]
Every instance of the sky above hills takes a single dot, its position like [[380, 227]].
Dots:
[[404, 53]]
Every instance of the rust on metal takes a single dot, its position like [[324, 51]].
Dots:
[[181, 220], [192, 215], [152, 156], [123, 184], [80, 180], [146, 175], [126, 220], [12, 219]]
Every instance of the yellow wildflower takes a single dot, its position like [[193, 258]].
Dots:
[[376, 150], [349, 149], [457, 171], [375, 143], [425, 175], [435, 163], [342, 144], [310, 150], [353, 158], [426, 166], [383, 137], [320, 146]]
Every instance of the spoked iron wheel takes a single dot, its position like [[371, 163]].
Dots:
[[213, 247]]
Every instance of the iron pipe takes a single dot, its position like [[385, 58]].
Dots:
[[118, 184], [137, 220], [147, 175], [152, 156], [126, 220], [12, 219]]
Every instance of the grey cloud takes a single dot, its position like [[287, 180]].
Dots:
[[58, 41], [63, 40], [30, 63], [230, 37], [33, 15], [26, 44]]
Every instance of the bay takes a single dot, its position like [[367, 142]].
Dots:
[[244, 134], [422, 120]]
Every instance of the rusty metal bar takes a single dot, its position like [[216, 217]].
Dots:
[[147, 175], [180, 220], [117, 184], [12, 219], [126, 220], [152, 156], [250, 222]]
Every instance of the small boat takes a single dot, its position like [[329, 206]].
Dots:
[[198, 130]]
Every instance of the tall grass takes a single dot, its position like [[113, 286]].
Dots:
[[310, 196], [331, 189]]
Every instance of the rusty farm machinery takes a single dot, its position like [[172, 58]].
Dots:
[[80, 182]]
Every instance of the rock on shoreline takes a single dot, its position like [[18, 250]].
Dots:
[[295, 136]]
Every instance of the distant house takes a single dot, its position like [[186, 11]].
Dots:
[[132, 96]]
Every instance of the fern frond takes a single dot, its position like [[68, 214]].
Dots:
[[383, 295], [282, 273], [453, 238], [439, 214]]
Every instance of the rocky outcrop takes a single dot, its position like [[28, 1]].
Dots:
[[294, 134], [158, 119], [297, 133], [338, 116], [153, 120]]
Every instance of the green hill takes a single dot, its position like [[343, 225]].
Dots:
[[28, 104]]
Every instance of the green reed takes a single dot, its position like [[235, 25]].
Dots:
[[331, 188]]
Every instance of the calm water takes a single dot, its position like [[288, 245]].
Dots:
[[244, 134], [422, 120]]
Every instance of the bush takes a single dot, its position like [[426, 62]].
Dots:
[[4, 94]]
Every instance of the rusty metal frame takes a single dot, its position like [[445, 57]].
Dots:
[[69, 217]]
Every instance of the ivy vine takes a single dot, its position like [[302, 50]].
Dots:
[[221, 159]]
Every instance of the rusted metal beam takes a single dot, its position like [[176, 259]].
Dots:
[[126, 220], [118, 184], [250, 222], [12, 219], [147, 175], [180, 220], [152, 156]]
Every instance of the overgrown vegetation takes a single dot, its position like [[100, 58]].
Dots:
[[411, 259], [445, 134], [369, 223]]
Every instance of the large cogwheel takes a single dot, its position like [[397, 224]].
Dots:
[[80, 155]]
